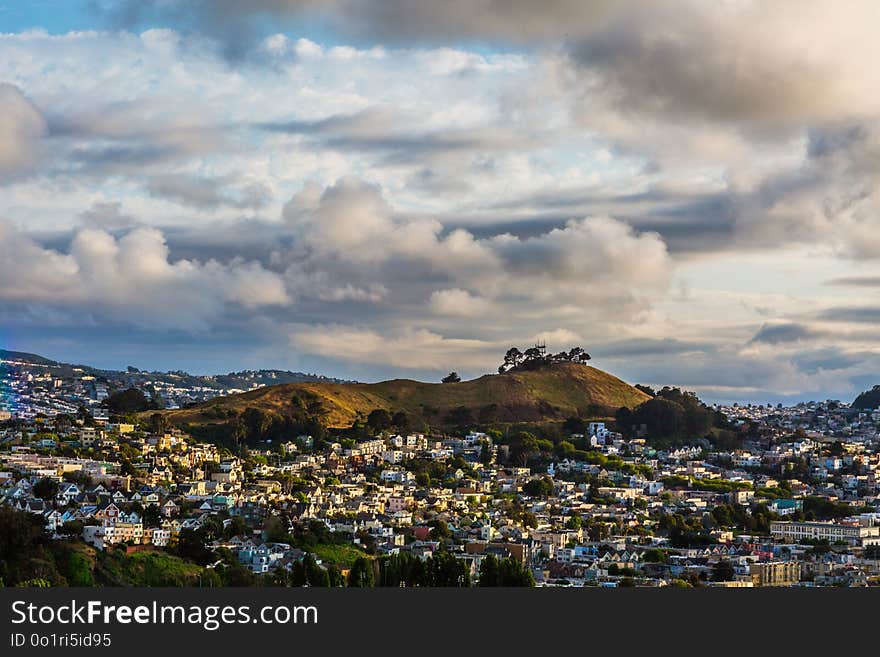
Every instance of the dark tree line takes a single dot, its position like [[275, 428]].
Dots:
[[442, 569], [504, 572]]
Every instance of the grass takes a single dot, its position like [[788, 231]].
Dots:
[[551, 393], [148, 568], [341, 555]]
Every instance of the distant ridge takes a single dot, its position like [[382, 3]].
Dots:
[[240, 379], [25, 357]]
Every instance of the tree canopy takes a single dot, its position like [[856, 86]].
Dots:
[[537, 356]]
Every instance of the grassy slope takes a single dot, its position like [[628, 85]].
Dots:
[[550, 393]]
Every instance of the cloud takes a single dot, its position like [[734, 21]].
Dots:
[[130, 280], [107, 215], [400, 137], [855, 281], [458, 303], [743, 61], [400, 21], [210, 193], [408, 349], [650, 347], [739, 63], [22, 127], [349, 228], [853, 314], [784, 333], [833, 198]]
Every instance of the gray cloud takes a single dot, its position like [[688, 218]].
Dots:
[[756, 64], [107, 215], [855, 281], [784, 333], [210, 193], [395, 134], [643, 347], [22, 127], [853, 314]]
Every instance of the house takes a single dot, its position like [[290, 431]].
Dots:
[[67, 493], [170, 509], [784, 507]]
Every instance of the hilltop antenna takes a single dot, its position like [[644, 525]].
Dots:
[[542, 348]]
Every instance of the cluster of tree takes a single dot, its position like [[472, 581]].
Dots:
[[380, 419], [523, 446], [26, 553], [722, 571], [671, 415], [308, 573], [753, 521], [685, 531], [540, 487], [536, 356], [505, 572], [820, 508], [303, 416], [442, 569], [712, 485], [125, 402], [452, 377]]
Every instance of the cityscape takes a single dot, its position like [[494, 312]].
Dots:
[[777, 496], [300, 295]]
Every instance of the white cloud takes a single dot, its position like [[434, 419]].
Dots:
[[408, 349], [130, 280], [458, 303]]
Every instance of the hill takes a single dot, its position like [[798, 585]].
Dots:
[[24, 357], [868, 400], [550, 393]]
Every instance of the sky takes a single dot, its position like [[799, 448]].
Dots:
[[395, 188]]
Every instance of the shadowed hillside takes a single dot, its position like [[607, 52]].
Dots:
[[552, 392]]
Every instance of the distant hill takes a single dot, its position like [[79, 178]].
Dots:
[[132, 376], [868, 400], [549, 393], [24, 357]]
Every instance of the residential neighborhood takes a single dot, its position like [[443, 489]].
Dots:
[[795, 503]]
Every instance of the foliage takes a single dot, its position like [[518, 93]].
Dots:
[[361, 574], [506, 572], [671, 416], [379, 419], [535, 357], [129, 401], [541, 487], [46, 488], [442, 569]]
